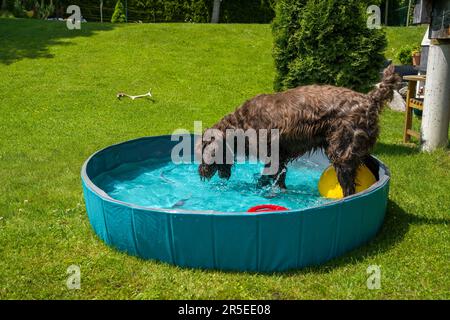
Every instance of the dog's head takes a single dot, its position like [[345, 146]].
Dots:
[[212, 160]]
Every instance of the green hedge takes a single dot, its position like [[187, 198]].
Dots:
[[248, 11], [328, 42], [199, 11]]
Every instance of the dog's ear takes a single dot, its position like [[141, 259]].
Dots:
[[209, 152], [198, 149], [208, 148], [389, 70]]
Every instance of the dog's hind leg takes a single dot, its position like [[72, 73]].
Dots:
[[346, 174], [346, 148], [373, 166]]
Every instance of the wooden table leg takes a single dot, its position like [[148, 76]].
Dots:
[[409, 111]]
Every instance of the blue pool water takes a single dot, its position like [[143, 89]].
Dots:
[[170, 186]]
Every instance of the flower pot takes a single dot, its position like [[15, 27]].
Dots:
[[416, 59]]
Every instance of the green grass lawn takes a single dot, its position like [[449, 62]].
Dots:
[[58, 105]]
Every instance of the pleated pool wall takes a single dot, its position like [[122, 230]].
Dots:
[[263, 242]]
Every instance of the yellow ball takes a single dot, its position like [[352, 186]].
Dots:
[[329, 186]]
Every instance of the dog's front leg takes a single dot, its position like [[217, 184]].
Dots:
[[278, 179]]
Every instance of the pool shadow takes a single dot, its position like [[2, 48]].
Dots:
[[395, 227], [31, 38]]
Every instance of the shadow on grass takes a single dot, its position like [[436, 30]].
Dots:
[[400, 149], [395, 227], [31, 39], [395, 149]]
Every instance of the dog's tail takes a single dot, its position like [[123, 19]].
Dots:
[[385, 90]]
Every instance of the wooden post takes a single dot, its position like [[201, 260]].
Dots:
[[216, 11], [386, 12], [101, 11], [408, 14]]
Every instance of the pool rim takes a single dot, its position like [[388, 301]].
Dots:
[[383, 180]]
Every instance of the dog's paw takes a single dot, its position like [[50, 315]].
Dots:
[[264, 181]]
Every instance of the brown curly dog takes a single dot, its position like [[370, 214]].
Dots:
[[342, 122]]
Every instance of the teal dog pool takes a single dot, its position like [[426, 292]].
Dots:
[[139, 202]]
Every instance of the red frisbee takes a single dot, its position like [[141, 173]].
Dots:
[[266, 207]]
